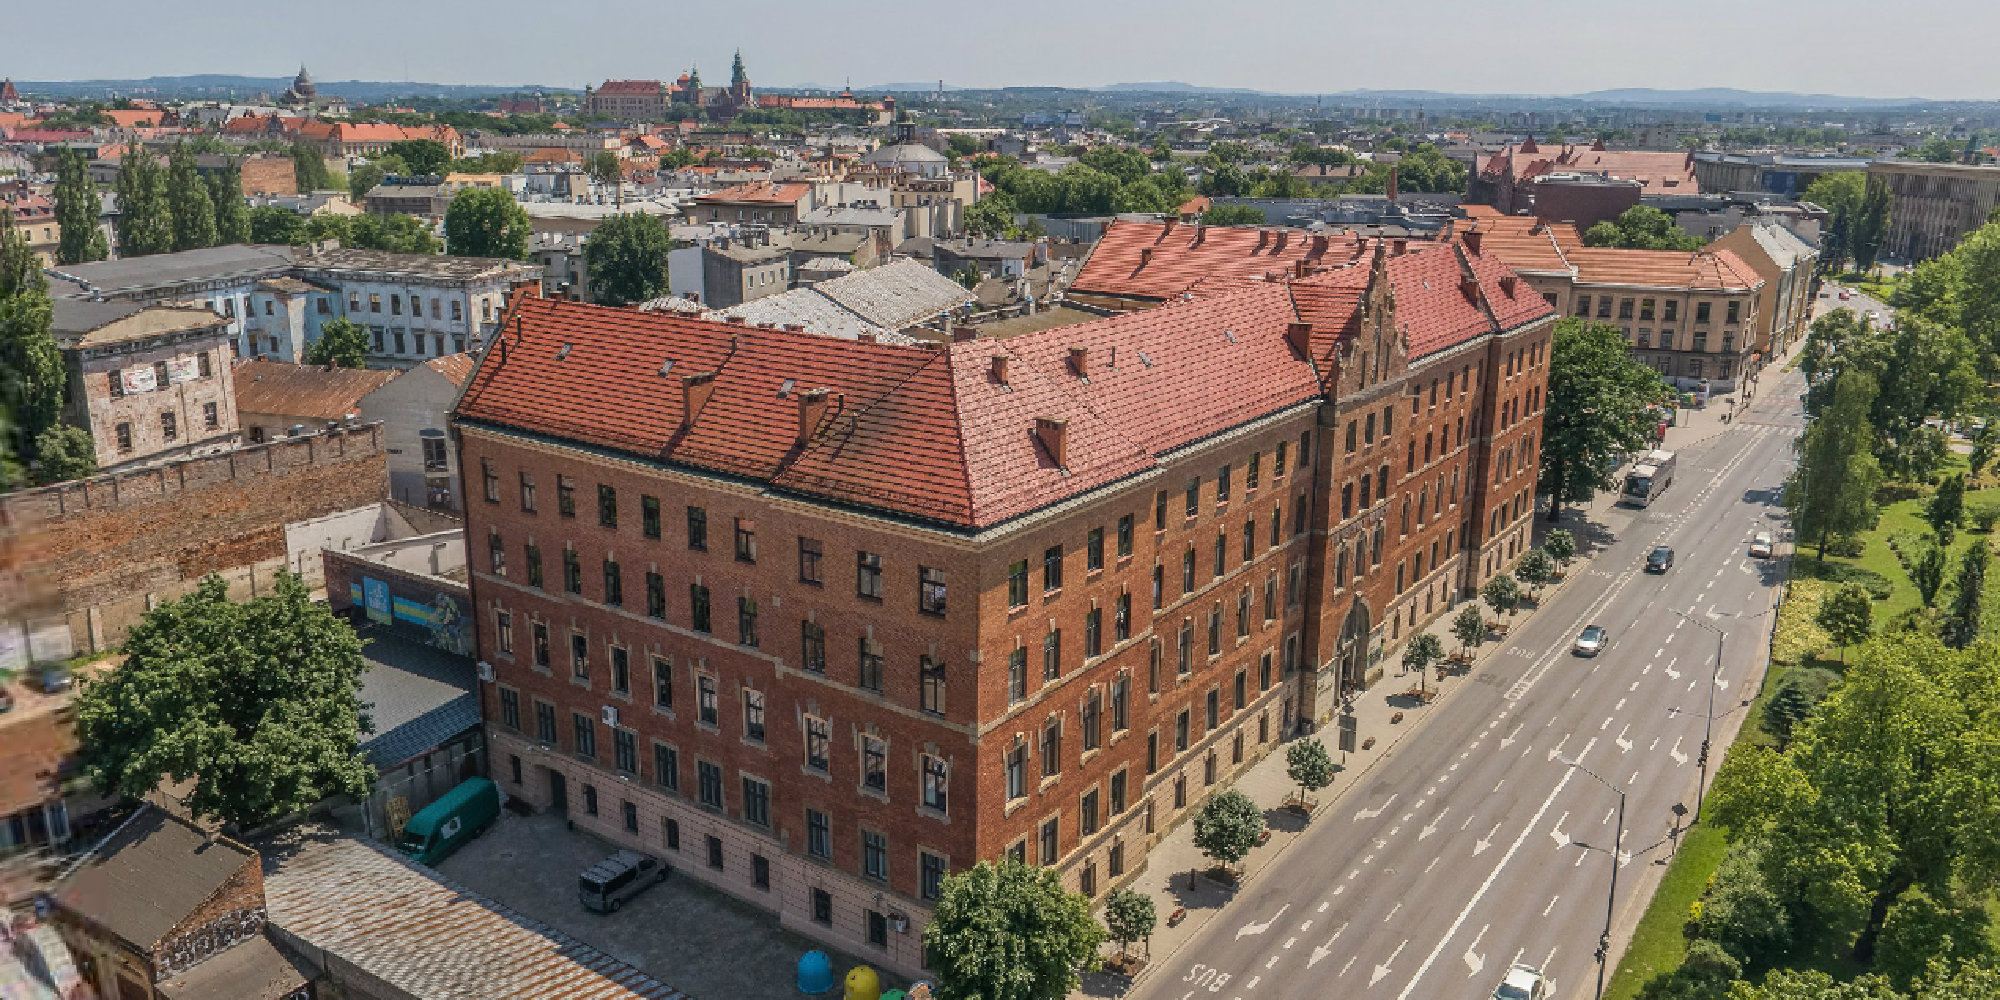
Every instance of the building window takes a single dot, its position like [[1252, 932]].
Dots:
[[1017, 771], [875, 763], [1052, 747], [565, 496], [868, 575], [822, 907], [1181, 732], [1051, 836], [1117, 791], [819, 838], [707, 709], [698, 602], [545, 722], [614, 584], [760, 870], [510, 709], [211, 416], [756, 802], [1092, 718], [812, 647], [1186, 665], [1086, 819], [169, 425], [875, 856], [746, 621], [496, 552], [746, 540], [625, 750], [541, 632], [1121, 618], [1120, 696], [663, 682], [1124, 536], [656, 595], [930, 678], [937, 783], [930, 884], [697, 521], [1160, 511], [819, 740], [124, 434], [714, 842], [1093, 632], [753, 714], [1093, 549], [579, 655], [572, 572], [809, 559], [490, 479], [1052, 655], [1052, 569], [586, 734], [709, 783], [870, 674], [590, 800], [621, 672]]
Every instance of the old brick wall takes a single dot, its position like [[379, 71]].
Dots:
[[269, 175], [112, 545], [234, 914]]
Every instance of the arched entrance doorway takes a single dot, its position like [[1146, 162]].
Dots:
[[1353, 649]]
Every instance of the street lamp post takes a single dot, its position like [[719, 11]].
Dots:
[[1708, 718], [1611, 897]]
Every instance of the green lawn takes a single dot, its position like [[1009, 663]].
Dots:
[[1875, 286], [1658, 945]]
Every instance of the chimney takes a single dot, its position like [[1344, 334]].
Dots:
[[695, 390], [1079, 361], [1319, 243], [1392, 184], [1469, 286], [1299, 335], [1145, 256], [1168, 231], [1053, 433], [1263, 238], [1472, 238], [733, 320], [1200, 232], [961, 334], [1397, 248], [812, 410], [1000, 368], [1507, 283], [1298, 269], [1284, 237]]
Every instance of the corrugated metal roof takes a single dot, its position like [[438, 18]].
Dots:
[[432, 938]]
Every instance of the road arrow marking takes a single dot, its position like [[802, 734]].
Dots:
[[1673, 674], [1555, 832], [1326, 949], [1361, 814], [1248, 929], [1624, 745], [1679, 757], [1474, 960], [1508, 740], [1721, 685], [1479, 847], [1557, 752], [1383, 969], [1432, 826]]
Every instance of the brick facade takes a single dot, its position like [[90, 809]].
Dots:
[[1243, 532]]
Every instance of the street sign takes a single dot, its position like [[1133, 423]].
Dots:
[[1347, 733]]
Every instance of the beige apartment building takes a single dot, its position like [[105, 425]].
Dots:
[[1691, 316], [1934, 204]]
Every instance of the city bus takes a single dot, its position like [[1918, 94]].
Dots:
[[1650, 475]]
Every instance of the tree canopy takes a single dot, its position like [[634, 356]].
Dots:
[[258, 704], [1641, 227], [422, 156], [77, 210], [145, 215], [1832, 489], [1600, 400], [33, 385], [342, 343], [486, 222], [1227, 826], [1009, 932], [627, 259]]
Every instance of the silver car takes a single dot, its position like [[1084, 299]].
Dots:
[[1524, 982], [1760, 545], [1592, 641]]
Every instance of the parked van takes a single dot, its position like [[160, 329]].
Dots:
[[604, 886], [456, 817]]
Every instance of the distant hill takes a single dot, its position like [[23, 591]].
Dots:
[[223, 86], [1710, 97], [1176, 87]]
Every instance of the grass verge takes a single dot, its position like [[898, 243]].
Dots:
[[1659, 945]]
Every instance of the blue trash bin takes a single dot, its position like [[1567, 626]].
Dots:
[[815, 973]]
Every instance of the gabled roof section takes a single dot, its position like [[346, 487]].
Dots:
[[323, 392]]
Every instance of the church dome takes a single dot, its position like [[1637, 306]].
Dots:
[[302, 85]]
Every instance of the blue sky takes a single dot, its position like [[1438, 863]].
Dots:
[[1930, 48]]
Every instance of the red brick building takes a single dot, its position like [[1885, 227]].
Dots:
[[821, 620]]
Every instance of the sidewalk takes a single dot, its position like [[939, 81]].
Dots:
[[1166, 876]]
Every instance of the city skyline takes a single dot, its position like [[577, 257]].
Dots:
[[1440, 45]]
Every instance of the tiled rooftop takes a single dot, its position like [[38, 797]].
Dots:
[[322, 392], [1157, 261], [1715, 270]]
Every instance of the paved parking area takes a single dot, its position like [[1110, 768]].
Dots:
[[694, 938]]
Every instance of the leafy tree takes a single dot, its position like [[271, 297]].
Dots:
[[1923, 928], [970, 276], [309, 169], [1741, 912], [363, 179], [1421, 651], [342, 343], [189, 201], [1703, 974], [232, 216], [1228, 826], [1970, 982], [1890, 784], [1560, 545], [500, 162], [63, 453], [486, 222], [1599, 402], [605, 168], [145, 216], [271, 224], [627, 259], [1946, 508], [1469, 628], [1871, 225], [258, 704], [1832, 489], [1792, 700], [1501, 594], [1642, 227], [1845, 616], [1009, 932], [1234, 215], [1927, 573], [991, 216], [77, 209], [394, 232], [1535, 569], [32, 381], [1935, 149], [1961, 622], [1812, 984], [422, 156], [1982, 450], [1309, 766], [1128, 916]]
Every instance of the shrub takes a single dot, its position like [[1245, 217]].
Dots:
[[1985, 517], [1741, 912], [1799, 638], [1846, 546]]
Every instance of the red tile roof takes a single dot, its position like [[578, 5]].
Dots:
[[1157, 261], [929, 432], [636, 88], [756, 193], [1706, 269], [456, 367]]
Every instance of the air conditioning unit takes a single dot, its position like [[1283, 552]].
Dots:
[[899, 923], [611, 715], [485, 671]]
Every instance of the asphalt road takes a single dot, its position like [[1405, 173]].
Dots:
[[1463, 856]]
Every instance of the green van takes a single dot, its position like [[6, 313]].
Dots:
[[456, 817]]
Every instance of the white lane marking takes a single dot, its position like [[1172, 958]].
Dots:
[[1433, 864], [1383, 969], [1392, 912], [1326, 949], [1633, 778], [1474, 960], [1526, 831], [1606, 724], [1349, 965], [1322, 907], [1679, 757], [1624, 745], [1672, 674], [1361, 814], [1620, 707], [1272, 962], [1252, 984], [1551, 906], [1634, 687], [1432, 826], [1254, 928], [1289, 942], [1508, 740], [1479, 846], [1556, 833], [1557, 752]]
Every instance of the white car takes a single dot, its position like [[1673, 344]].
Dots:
[[1760, 545], [1524, 982]]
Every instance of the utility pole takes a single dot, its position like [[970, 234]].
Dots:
[[1611, 897], [1708, 718]]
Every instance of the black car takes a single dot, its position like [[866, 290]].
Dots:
[[1660, 559]]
